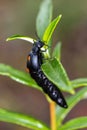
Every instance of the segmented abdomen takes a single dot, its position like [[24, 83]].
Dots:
[[49, 88]]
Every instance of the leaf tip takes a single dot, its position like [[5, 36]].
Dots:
[[7, 39], [11, 38], [72, 92], [60, 15]]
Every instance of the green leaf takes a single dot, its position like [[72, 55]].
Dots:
[[79, 82], [55, 72], [44, 17], [72, 101], [15, 37], [57, 51], [22, 120], [17, 75], [76, 123], [50, 29]]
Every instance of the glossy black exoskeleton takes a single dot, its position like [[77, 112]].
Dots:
[[34, 62]]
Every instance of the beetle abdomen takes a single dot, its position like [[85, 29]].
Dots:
[[49, 88]]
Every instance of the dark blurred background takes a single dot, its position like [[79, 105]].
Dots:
[[19, 17]]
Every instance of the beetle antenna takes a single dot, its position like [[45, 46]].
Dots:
[[37, 35]]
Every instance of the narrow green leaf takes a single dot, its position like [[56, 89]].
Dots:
[[17, 75], [15, 37], [22, 120], [54, 70], [72, 101], [57, 51], [79, 82], [76, 123], [44, 17], [50, 29]]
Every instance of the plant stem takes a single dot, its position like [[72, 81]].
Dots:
[[52, 116]]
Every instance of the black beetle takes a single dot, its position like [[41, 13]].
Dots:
[[34, 62]]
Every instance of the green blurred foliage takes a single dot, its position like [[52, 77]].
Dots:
[[20, 15]]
